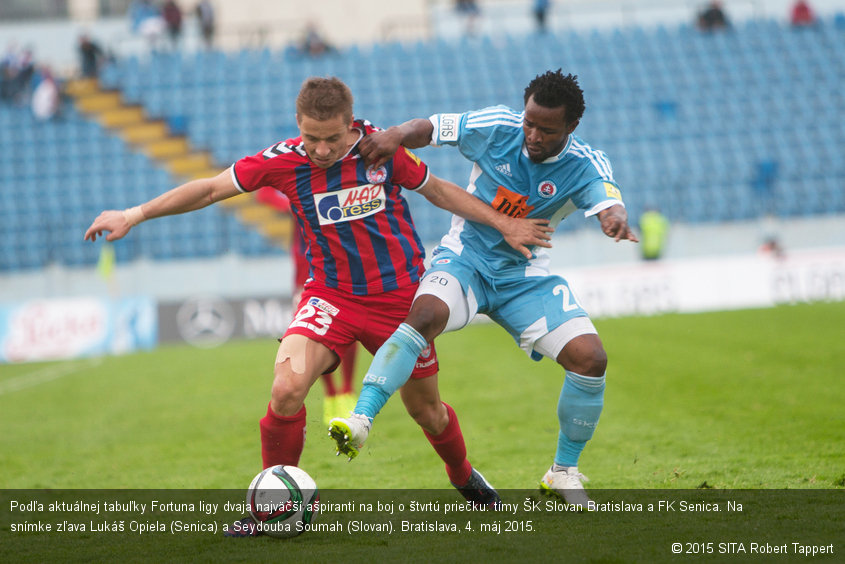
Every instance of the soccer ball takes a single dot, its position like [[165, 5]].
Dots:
[[283, 500]]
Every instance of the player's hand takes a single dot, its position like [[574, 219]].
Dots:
[[524, 233], [113, 221], [614, 223], [379, 147]]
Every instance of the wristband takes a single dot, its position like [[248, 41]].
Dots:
[[134, 215]]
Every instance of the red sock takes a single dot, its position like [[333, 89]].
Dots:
[[450, 446], [282, 438], [328, 385], [347, 368]]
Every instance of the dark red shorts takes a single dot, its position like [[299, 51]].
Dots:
[[337, 319]]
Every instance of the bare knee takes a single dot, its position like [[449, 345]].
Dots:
[[428, 316], [299, 362], [429, 413], [595, 365], [287, 394], [584, 355]]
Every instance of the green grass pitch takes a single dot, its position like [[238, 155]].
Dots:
[[743, 400]]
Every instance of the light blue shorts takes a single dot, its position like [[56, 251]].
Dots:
[[528, 307]]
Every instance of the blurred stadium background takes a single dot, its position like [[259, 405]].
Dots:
[[736, 136]]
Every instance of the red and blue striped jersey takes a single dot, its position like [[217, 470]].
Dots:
[[358, 226]]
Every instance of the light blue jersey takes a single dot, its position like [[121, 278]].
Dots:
[[518, 293], [503, 176], [475, 271]]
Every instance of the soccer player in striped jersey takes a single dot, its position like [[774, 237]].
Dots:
[[338, 398], [366, 263], [525, 164]]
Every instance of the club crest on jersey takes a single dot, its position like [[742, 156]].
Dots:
[[323, 305], [350, 203], [377, 175], [546, 189]]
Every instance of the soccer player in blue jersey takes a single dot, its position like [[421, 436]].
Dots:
[[525, 164]]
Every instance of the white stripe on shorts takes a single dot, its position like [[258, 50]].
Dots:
[[550, 344]]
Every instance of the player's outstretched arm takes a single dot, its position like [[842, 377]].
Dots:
[[518, 233], [614, 223], [379, 147], [190, 196]]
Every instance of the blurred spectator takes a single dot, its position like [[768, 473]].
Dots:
[[313, 44], [802, 15], [468, 9], [90, 57], [654, 230], [16, 69], [9, 66], [6, 70], [146, 21], [713, 17], [46, 98], [772, 247], [172, 15], [205, 17], [541, 10]]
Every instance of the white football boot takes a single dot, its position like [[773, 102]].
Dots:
[[566, 485], [350, 434]]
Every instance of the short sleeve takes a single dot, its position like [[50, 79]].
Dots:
[[472, 131], [446, 129], [251, 173], [597, 196], [408, 170]]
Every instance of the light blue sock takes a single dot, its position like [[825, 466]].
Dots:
[[390, 369], [578, 410]]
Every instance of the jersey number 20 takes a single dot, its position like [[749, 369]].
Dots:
[[569, 301]]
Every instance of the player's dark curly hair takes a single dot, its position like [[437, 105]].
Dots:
[[553, 89]]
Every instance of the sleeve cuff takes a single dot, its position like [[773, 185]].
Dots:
[[424, 181], [235, 180], [435, 126], [602, 206]]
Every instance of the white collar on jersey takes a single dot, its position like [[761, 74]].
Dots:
[[553, 158], [355, 144]]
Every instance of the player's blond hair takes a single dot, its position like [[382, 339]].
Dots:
[[323, 98]]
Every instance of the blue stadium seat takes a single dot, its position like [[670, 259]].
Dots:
[[686, 118]]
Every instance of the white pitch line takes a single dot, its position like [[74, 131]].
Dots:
[[47, 374]]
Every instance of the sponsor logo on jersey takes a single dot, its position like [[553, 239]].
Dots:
[[612, 191], [546, 189], [324, 306], [442, 261], [511, 203], [414, 158], [504, 168], [377, 175], [350, 203], [448, 130]]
